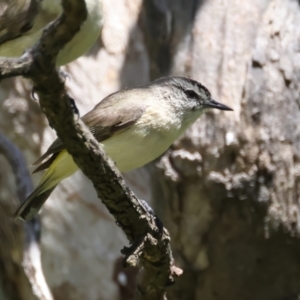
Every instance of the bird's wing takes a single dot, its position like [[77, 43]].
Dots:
[[103, 121], [16, 18]]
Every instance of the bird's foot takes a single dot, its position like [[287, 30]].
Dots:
[[158, 222]]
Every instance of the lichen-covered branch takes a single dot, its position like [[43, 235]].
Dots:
[[149, 242]]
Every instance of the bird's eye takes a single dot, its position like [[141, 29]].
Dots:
[[191, 94]]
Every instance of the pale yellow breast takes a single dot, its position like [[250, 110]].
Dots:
[[151, 136]]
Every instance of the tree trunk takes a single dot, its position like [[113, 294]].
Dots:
[[228, 190]]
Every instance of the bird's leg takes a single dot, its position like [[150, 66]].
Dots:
[[158, 222], [74, 107], [64, 75], [147, 207]]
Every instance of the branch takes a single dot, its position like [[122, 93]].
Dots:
[[149, 243], [32, 254]]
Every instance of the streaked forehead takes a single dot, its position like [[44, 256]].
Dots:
[[184, 83]]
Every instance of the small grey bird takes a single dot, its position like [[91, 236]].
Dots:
[[133, 126], [22, 23]]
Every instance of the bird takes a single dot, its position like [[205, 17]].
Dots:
[[22, 23], [134, 127]]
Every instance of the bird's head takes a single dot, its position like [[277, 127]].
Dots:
[[188, 94]]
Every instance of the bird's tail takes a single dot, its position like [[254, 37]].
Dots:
[[33, 203], [62, 166]]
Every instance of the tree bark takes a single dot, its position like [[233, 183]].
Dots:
[[229, 189]]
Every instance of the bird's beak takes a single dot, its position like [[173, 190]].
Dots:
[[214, 104]]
